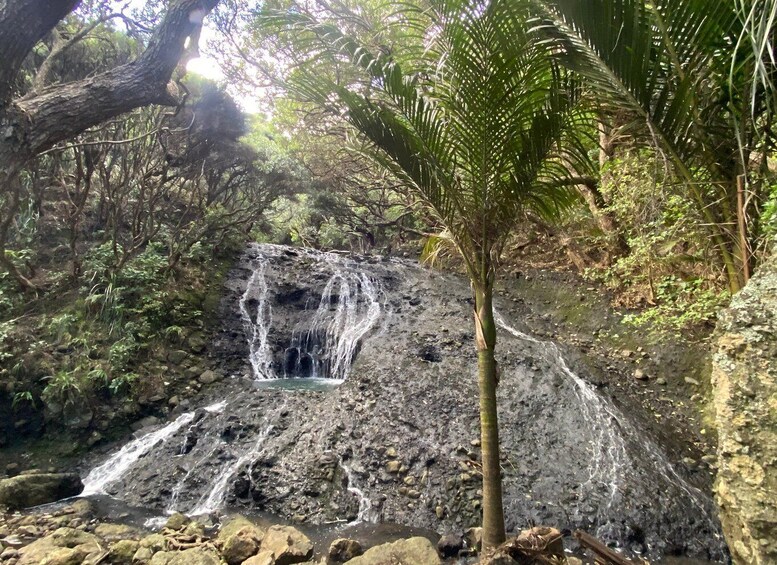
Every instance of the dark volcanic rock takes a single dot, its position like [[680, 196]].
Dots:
[[398, 441]]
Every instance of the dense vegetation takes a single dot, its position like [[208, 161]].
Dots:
[[526, 132]]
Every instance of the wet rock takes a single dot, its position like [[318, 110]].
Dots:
[[28, 490], [430, 353], [449, 545], [745, 401], [122, 552], [177, 521], [63, 546], [342, 550], [240, 546], [418, 551], [288, 544]]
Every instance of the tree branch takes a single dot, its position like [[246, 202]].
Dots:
[[62, 111], [22, 24]]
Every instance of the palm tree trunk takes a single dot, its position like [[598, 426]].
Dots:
[[485, 330]]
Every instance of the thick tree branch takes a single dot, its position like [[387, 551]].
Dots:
[[22, 24], [62, 111]]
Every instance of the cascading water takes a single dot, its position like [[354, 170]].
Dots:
[[366, 512], [258, 322], [611, 465], [325, 346], [102, 476], [323, 343], [214, 498]]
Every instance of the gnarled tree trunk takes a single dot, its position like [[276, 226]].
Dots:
[[30, 125]]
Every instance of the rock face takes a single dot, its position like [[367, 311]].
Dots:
[[415, 551], [397, 441], [24, 491], [744, 378]]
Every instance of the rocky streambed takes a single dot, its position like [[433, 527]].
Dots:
[[378, 421]]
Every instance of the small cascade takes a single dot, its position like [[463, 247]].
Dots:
[[325, 346], [213, 499], [101, 477], [116, 466], [326, 338], [611, 465], [256, 312], [366, 512]]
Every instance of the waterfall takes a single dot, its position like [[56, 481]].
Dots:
[[214, 498], [325, 341], [365, 513], [611, 463], [116, 466], [258, 324], [324, 347]]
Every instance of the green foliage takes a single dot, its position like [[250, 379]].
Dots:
[[681, 305], [24, 396], [63, 387], [667, 270]]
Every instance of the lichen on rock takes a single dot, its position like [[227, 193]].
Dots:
[[744, 378]]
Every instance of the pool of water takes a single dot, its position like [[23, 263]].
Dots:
[[300, 383]]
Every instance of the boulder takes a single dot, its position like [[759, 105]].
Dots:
[[63, 546], [177, 521], [194, 528], [209, 377], [288, 544], [196, 556], [28, 490], [240, 546], [115, 532], [143, 555], [122, 552], [237, 523], [154, 542], [744, 380], [450, 545], [342, 550], [413, 551], [261, 558]]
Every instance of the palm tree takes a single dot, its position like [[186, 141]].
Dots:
[[697, 78], [480, 132]]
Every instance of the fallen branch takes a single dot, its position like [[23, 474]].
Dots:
[[602, 551]]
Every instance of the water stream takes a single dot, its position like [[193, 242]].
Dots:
[[610, 464]]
